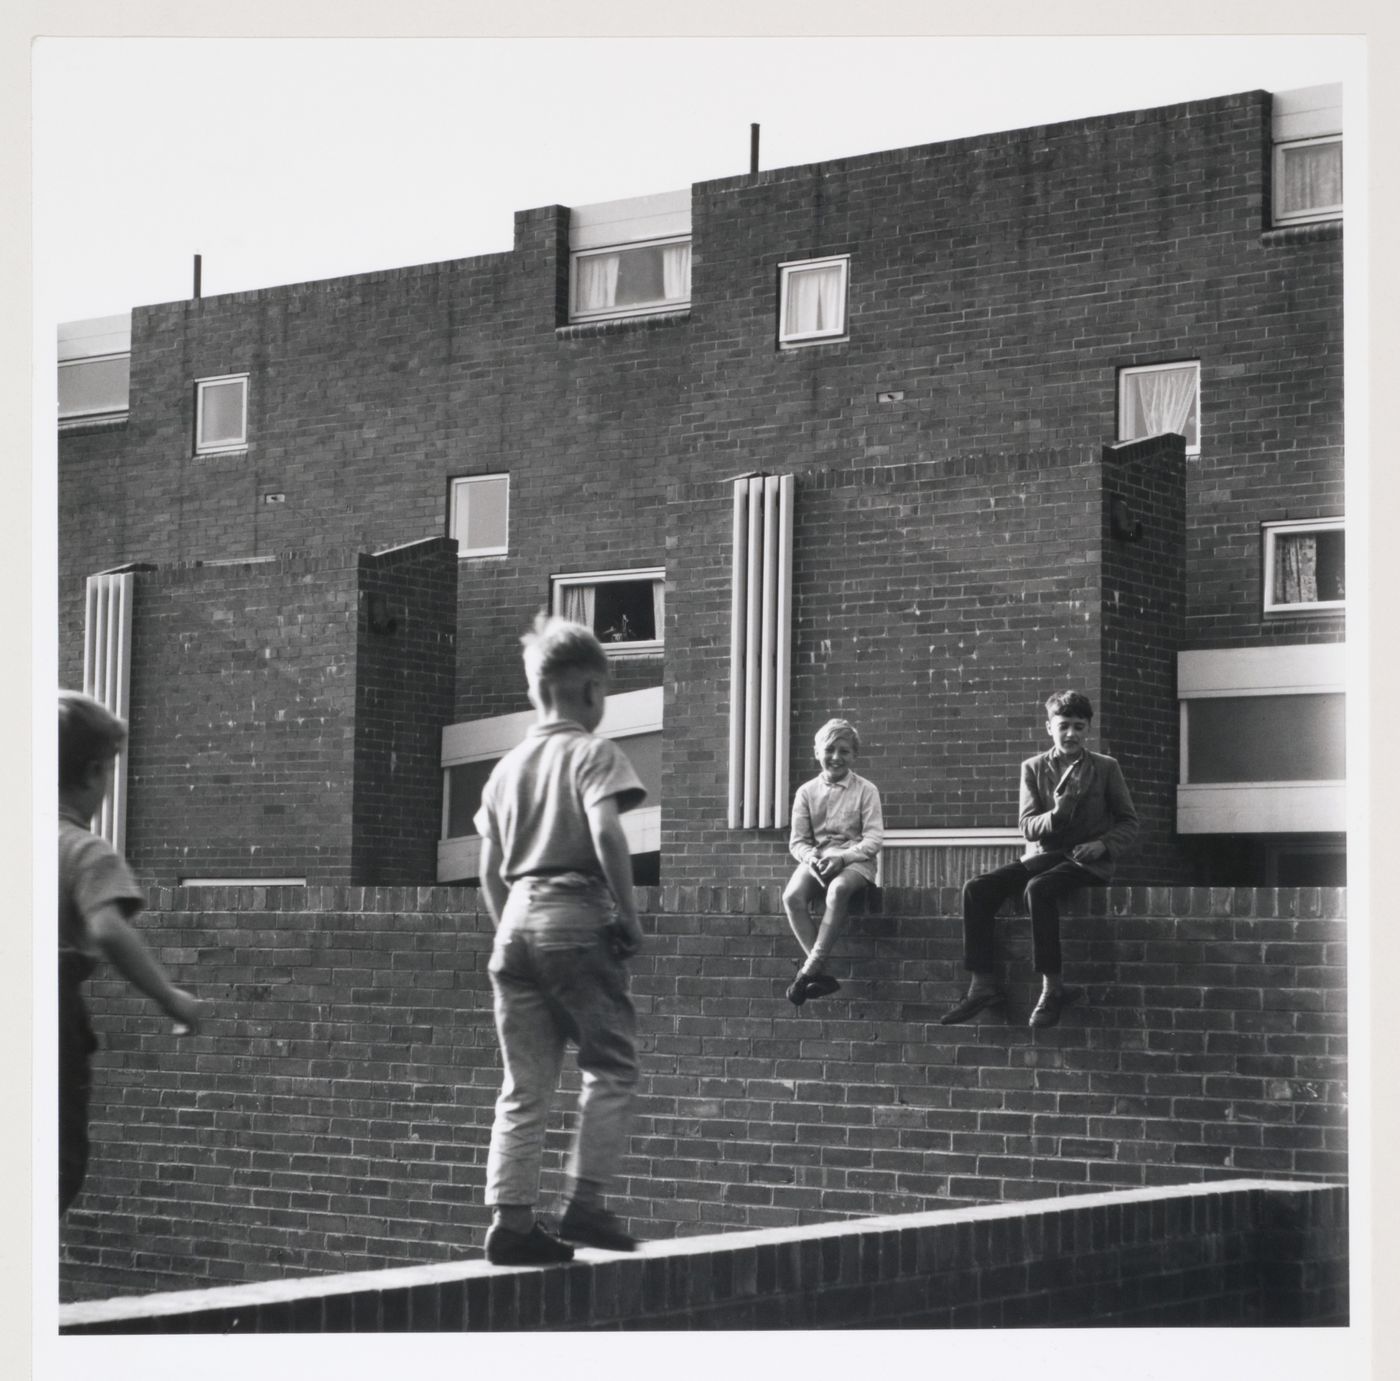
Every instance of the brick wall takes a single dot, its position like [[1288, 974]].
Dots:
[[405, 635], [1236, 1254], [334, 1114]]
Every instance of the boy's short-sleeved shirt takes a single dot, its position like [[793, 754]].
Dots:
[[534, 807], [91, 875]]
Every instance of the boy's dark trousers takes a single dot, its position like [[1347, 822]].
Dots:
[[1044, 879], [76, 1043]]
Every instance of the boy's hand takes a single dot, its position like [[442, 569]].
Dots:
[[623, 940], [1087, 853], [828, 867], [186, 1011]]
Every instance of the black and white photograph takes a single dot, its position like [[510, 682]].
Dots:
[[707, 684]]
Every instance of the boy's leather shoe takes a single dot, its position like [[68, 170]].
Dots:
[[822, 985], [797, 990], [971, 1005], [534, 1248], [596, 1227], [1047, 1010]]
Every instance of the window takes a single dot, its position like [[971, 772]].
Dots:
[[479, 515], [1308, 180], [626, 609], [221, 414], [1158, 398], [630, 280], [812, 300], [95, 389], [1305, 566]]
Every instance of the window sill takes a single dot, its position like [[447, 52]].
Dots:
[[786, 345], [97, 422], [614, 325], [1315, 611], [620, 652], [233, 453], [1303, 233]]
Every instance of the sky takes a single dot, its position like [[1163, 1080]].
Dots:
[[281, 160]]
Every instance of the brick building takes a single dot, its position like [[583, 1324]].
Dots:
[[915, 437]]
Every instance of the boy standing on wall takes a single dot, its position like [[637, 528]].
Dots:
[[554, 865], [97, 896], [1078, 820]]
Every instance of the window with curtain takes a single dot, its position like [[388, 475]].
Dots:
[[479, 515], [1308, 180], [221, 414], [630, 280], [626, 609], [1158, 398], [1304, 567], [812, 300]]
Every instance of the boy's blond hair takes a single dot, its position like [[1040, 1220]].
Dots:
[[834, 729], [556, 647], [89, 734]]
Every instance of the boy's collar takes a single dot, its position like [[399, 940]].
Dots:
[[67, 812]]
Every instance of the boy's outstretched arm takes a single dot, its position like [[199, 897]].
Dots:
[[129, 954], [610, 844], [493, 885]]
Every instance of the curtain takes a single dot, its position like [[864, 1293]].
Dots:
[[578, 603], [1164, 400], [1295, 573], [1312, 177], [813, 301], [658, 607], [675, 272], [597, 282]]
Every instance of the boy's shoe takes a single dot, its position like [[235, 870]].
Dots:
[[596, 1227], [972, 1004], [534, 1248], [821, 985], [1047, 1010], [797, 990]]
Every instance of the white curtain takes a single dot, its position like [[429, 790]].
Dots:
[[1163, 401], [1312, 177], [578, 603], [658, 607], [597, 282], [813, 301], [675, 272], [1295, 570]]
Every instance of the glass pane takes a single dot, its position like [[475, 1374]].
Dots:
[[1267, 738], [1312, 179], [93, 386], [1156, 401], [221, 413], [629, 278], [624, 611], [464, 786], [1310, 567], [482, 514], [813, 301]]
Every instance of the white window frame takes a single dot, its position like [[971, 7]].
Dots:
[[669, 304], [788, 340], [617, 651], [457, 490], [1271, 533], [626, 715], [1128, 370], [1311, 213], [201, 448]]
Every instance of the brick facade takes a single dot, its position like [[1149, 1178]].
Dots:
[[334, 1113], [997, 283]]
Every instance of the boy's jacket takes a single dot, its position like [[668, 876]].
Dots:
[[1094, 804]]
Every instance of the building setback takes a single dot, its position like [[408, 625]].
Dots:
[[915, 437]]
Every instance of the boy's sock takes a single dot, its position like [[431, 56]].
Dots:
[[513, 1217], [1051, 983]]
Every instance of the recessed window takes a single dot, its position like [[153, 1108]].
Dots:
[[626, 609], [1305, 566], [1308, 180], [630, 280], [94, 389], [221, 414], [1266, 738], [479, 515], [812, 297], [1154, 399]]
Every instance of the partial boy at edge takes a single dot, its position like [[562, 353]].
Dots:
[[97, 896], [554, 866], [1077, 819], [837, 830]]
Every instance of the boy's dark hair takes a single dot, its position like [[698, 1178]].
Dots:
[[1071, 704], [89, 734], [556, 645]]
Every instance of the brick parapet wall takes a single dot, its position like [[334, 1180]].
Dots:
[[334, 1113], [1239, 1253]]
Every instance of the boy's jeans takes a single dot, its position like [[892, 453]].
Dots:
[[555, 979], [1044, 889]]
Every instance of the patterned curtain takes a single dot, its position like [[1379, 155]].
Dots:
[[1295, 570]]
